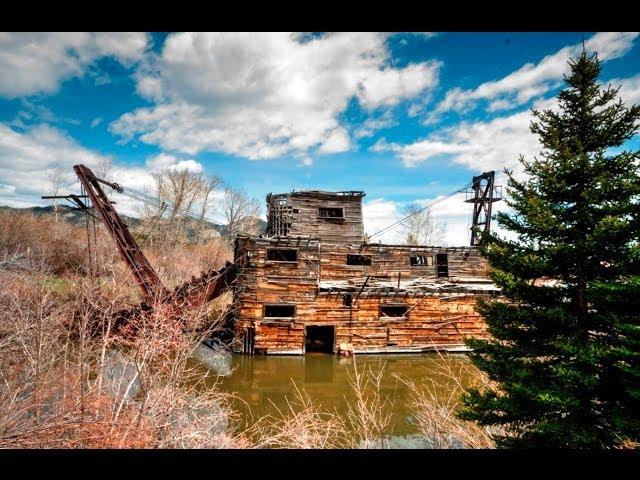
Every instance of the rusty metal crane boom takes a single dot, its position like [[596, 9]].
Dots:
[[143, 272], [193, 293]]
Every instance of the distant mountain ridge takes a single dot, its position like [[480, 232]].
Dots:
[[77, 217]]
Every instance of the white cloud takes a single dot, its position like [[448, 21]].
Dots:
[[28, 158], [337, 141], [480, 146], [534, 80], [38, 62], [305, 161], [494, 144], [389, 86], [161, 161], [372, 125], [165, 161], [377, 214], [190, 165], [629, 89], [95, 122], [263, 95]]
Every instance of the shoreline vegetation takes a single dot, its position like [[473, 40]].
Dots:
[[68, 383]]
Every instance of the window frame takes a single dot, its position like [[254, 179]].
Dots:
[[288, 318], [353, 255], [322, 217], [382, 316], [291, 262]]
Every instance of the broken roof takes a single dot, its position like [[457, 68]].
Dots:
[[420, 285], [318, 193]]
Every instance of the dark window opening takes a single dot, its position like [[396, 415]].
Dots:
[[347, 300], [330, 212], [296, 210], [418, 261], [282, 255], [358, 259], [397, 311], [279, 311], [319, 338], [442, 264]]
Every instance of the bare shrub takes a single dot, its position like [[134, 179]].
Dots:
[[41, 241], [177, 263], [303, 425], [63, 386], [435, 413], [371, 417]]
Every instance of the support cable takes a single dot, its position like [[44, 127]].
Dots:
[[402, 220]]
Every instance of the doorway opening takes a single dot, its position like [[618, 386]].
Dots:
[[319, 338]]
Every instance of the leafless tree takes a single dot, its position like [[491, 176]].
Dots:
[[209, 184], [184, 202], [420, 226], [57, 178], [104, 168], [241, 212]]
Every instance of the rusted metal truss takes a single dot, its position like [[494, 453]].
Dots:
[[143, 272], [484, 194], [191, 294]]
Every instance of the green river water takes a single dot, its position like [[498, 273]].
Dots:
[[262, 384]]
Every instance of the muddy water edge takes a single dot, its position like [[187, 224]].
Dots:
[[264, 385]]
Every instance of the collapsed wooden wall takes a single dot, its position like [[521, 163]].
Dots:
[[435, 322], [393, 260], [441, 319], [297, 214]]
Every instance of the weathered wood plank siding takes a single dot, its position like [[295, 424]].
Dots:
[[302, 267], [391, 260], [439, 319], [301, 215]]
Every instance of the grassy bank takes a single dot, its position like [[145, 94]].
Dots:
[[68, 382]]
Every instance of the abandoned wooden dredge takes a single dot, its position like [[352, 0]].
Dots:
[[314, 283]]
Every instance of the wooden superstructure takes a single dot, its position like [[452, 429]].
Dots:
[[313, 283]]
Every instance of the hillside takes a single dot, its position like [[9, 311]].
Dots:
[[77, 217]]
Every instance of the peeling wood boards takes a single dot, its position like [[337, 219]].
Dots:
[[314, 259], [441, 311]]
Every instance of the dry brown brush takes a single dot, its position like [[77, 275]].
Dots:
[[434, 404]]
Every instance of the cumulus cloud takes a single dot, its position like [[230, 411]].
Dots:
[[452, 212], [370, 126], [164, 161], [629, 89], [27, 160], [33, 63], [480, 145], [490, 145], [534, 80], [264, 95]]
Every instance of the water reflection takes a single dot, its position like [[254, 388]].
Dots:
[[317, 369], [263, 384]]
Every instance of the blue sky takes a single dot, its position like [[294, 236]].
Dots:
[[405, 117]]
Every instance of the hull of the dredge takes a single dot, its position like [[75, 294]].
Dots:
[[314, 284], [432, 322]]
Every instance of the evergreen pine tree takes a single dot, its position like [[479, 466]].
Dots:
[[565, 346]]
